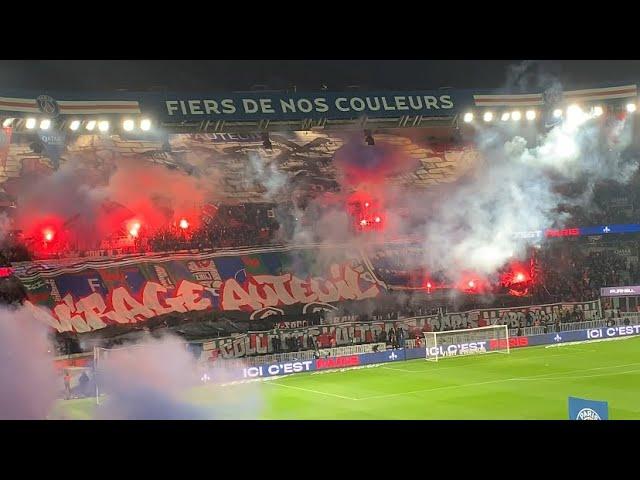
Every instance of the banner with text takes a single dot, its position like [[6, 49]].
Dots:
[[255, 106], [251, 285]]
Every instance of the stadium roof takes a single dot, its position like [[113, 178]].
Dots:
[[310, 75]]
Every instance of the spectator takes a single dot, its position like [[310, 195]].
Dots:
[[67, 384], [400, 338], [83, 384]]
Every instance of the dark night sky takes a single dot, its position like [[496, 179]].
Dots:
[[309, 75]]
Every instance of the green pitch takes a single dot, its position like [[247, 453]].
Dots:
[[530, 383]]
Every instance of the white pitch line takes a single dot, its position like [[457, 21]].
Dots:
[[403, 370], [573, 377], [453, 387], [312, 391]]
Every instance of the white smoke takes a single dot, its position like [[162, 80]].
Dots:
[[156, 380], [28, 384], [265, 173], [515, 189], [147, 381]]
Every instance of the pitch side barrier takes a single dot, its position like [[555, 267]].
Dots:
[[268, 370]]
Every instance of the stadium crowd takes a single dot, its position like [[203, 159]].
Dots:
[[568, 274]]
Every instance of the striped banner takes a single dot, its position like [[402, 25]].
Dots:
[[72, 107], [525, 100], [610, 93]]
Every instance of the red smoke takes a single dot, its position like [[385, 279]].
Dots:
[[517, 278], [79, 209], [158, 197], [366, 211], [472, 283]]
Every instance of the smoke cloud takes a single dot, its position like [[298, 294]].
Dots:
[[520, 183], [147, 382], [28, 382], [159, 379]]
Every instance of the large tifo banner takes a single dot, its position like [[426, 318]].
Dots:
[[251, 284]]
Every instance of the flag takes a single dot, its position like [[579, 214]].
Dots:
[[582, 409], [54, 145]]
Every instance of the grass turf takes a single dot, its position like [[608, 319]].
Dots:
[[530, 383]]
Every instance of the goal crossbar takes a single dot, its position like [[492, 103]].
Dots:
[[469, 341]]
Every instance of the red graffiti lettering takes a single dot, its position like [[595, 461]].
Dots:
[[269, 290]]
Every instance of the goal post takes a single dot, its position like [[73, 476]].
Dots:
[[132, 353], [470, 341]]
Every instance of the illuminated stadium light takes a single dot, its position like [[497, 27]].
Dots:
[[557, 113], [516, 115], [31, 123], [575, 116], [184, 224], [505, 116], [145, 125], [487, 117], [7, 122], [45, 124], [91, 125], [468, 117], [631, 107], [103, 125], [74, 125], [530, 115], [597, 111], [128, 125], [573, 112]]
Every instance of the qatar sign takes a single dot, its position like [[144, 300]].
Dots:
[[253, 285]]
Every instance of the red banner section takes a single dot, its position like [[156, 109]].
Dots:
[[256, 284]]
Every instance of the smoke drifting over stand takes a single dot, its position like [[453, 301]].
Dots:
[[516, 188]]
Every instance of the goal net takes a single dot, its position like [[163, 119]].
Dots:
[[140, 356], [472, 341]]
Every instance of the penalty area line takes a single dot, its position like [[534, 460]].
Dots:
[[317, 392]]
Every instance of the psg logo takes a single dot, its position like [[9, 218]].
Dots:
[[47, 105], [588, 414]]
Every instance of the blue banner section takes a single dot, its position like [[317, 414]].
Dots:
[[582, 409], [581, 335], [606, 229]]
